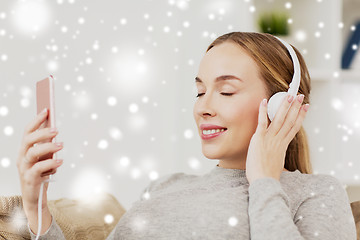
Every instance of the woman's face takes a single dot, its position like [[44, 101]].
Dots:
[[237, 113]]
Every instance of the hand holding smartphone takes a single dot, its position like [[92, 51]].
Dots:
[[45, 99]]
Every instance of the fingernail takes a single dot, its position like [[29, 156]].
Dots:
[[300, 98], [44, 111], [59, 161], [52, 130], [59, 144], [306, 107], [264, 101], [290, 98]]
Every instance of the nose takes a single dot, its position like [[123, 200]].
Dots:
[[205, 106]]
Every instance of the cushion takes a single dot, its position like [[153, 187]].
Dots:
[[78, 219], [355, 207]]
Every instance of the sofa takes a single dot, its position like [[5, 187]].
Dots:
[[79, 219]]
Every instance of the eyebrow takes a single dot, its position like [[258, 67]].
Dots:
[[221, 78]]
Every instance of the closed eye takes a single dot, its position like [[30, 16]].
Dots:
[[225, 94]]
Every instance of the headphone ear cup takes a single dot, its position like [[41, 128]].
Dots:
[[274, 103]]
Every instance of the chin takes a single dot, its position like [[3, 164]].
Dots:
[[211, 153]]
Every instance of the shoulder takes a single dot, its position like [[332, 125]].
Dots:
[[301, 186]]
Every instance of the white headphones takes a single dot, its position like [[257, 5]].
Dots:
[[276, 99]]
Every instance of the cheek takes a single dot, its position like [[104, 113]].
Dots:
[[245, 116]]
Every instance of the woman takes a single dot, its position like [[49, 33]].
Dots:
[[262, 187]]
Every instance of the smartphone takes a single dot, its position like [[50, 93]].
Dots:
[[45, 99]]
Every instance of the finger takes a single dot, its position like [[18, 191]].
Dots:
[[291, 117], [50, 172], [262, 117], [279, 118], [44, 166], [34, 153], [45, 134], [36, 122], [296, 128]]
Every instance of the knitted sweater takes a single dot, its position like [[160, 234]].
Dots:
[[222, 205]]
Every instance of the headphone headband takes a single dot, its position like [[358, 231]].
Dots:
[[295, 82]]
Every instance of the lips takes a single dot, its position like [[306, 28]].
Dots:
[[210, 126], [206, 127]]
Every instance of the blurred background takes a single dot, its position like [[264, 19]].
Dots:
[[124, 85]]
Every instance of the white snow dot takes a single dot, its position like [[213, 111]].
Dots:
[[316, 234], [25, 91], [124, 161], [114, 49], [108, 218], [186, 24], [81, 20], [327, 56], [141, 51], [145, 99], [112, 101], [317, 34], [352, 28], [123, 21], [5, 162], [321, 149], [341, 25], [96, 45], [300, 35], [146, 16], [2, 32], [88, 60], [194, 163], [336, 74], [321, 25], [233, 221], [135, 173], [52, 66], [94, 116], [4, 111], [103, 144], [67, 87], [288, 5], [80, 78], [188, 134], [54, 48], [211, 16], [337, 104], [354, 47], [252, 9], [350, 164], [153, 175], [191, 62], [150, 28], [290, 21], [2, 15], [221, 11], [8, 130], [166, 29], [115, 133], [133, 108], [146, 195], [4, 57], [64, 29], [345, 138], [24, 102]]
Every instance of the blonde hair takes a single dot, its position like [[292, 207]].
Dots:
[[276, 70]]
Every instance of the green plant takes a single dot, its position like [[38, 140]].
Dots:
[[275, 23]]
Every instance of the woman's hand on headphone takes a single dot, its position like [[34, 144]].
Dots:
[[268, 145], [32, 171]]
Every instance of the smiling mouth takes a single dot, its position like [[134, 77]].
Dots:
[[213, 133]]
